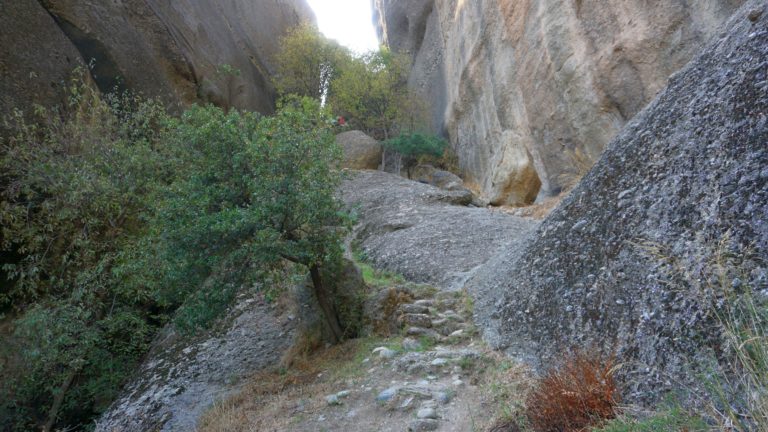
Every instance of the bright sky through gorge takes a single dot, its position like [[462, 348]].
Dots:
[[349, 22]]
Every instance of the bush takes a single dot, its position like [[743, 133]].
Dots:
[[672, 420], [578, 394], [250, 193], [409, 148], [118, 217], [74, 189]]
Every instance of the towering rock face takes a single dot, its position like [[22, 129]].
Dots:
[[530, 92], [176, 50], [672, 218]]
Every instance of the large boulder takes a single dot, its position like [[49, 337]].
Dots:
[[425, 233], [629, 261], [360, 150], [174, 50], [528, 91]]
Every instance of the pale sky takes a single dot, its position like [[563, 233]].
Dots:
[[350, 22]]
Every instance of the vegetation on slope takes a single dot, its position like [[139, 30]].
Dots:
[[118, 217]]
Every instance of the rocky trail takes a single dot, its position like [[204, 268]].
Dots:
[[423, 364], [426, 366], [433, 374]]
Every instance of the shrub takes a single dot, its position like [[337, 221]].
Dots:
[[250, 194], [74, 188], [118, 216], [580, 393], [409, 148], [674, 419]]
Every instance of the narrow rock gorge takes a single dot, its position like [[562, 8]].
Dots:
[[643, 124], [531, 92], [668, 224]]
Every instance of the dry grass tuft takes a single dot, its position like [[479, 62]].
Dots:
[[268, 401], [580, 394]]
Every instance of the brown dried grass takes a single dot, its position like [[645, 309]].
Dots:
[[576, 396], [267, 403]]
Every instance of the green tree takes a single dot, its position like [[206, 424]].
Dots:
[[254, 193], [372, 92], [307, 62], [115, 217]]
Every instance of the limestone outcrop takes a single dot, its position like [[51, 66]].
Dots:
[[181, 51], [530, 92], [360, 150], [672, 218], [425, 233]]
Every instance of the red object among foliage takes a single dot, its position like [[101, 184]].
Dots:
[[341, 121]]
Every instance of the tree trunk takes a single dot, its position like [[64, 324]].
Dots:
[[58, 400], [326, 304]]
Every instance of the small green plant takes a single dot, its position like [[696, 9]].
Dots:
[[466, 363], [741, 392], [674, 419], [408, 148]]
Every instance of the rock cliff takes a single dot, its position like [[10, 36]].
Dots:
[[530, 92], [672, 217], [173, 50]]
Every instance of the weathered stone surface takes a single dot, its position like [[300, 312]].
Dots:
[[182, 377], [437, 177], [425, 233], [35, 57], [626, 261], [172, 50], [526, 90], [360, 150]]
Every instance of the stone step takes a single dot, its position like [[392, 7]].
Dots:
[[415, 320], [412, 308]]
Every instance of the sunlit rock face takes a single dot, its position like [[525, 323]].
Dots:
[[671, 221], [530, 92], [181, 51]]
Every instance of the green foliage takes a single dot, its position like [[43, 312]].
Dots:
[[116, 216], [371, 91], [251, 193], [74, 187], [417, 144], [373, 276], [672, 420], [410, 148], [307, 62]]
